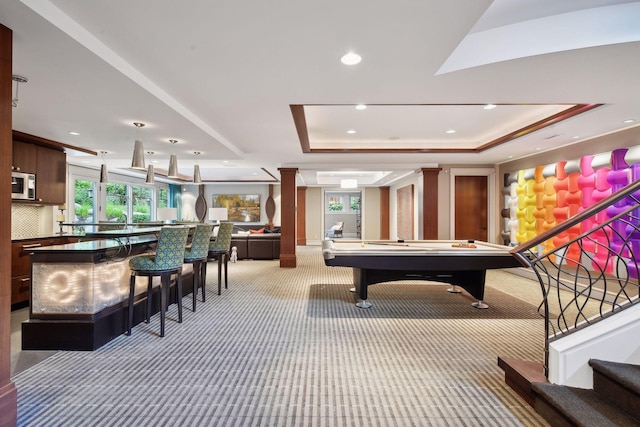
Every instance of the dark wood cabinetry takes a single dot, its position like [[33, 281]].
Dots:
[[51, 175], [47, 162], [24, 157]]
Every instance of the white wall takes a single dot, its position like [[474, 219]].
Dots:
[[313, 221], [371, 213]]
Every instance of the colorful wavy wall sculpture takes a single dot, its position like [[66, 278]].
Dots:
[[537, 199]]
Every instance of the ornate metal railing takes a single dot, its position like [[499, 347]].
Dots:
[[592, 268]]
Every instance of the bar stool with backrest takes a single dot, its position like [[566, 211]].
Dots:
[[166, 261], [197, 256], [220, 250]]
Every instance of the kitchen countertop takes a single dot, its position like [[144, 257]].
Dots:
[[92, 246], [44, 236]]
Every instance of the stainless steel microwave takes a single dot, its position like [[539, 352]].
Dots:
[[23, 186]]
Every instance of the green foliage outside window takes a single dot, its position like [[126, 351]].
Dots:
[[355, 203], [141, 204], [116, 202], [336, 207], [163, 198], [83, 198]]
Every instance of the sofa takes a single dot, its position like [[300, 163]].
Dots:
[[254, 245]]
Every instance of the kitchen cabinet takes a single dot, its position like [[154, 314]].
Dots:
[[24, 157], [49, 164], [50, 175]]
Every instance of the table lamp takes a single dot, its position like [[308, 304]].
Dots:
[[218, 214], [60, 216], [167, 214]]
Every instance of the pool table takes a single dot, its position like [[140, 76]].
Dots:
[[460, 263]]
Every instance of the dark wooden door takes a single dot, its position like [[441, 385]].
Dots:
[[471, 208]]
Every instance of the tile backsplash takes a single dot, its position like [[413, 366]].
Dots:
[[30, 221]]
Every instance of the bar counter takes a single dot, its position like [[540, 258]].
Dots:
[[79, 292]]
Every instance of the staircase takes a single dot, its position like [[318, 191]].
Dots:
[[590, 264], [614, 400]]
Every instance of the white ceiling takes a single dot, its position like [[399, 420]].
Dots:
[[220, 78]]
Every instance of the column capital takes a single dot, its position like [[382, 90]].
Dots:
[[430, 171]]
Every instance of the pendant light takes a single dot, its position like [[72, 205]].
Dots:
[[197, 179], [18, 79], [151, 177], [137, 161], [173, 162], [104, 174]]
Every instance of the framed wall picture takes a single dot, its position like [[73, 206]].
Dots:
[[240, 207]]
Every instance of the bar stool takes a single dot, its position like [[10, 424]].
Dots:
[[165, 262], [197, 256], [220, 250]]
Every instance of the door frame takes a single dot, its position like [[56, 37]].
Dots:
[[490, 174], [323, 203]]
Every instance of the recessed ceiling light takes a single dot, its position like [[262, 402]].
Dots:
[[489, 106], [225, 161], [351, 131], [361, 107], [575, 136], [451, 131], [538, 148], [510, 157], [351, 58], [629, 121], [73, 133]]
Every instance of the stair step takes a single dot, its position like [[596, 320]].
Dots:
[[520, 374], [571, 406], [624, 373], [617, 382]]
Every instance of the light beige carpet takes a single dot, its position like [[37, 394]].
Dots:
[[287, 347]]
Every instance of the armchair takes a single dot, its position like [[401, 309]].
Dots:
[[335, 230]]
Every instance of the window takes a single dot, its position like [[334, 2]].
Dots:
[[141, 204], [335, 204], [127, 201], [354, 202], [163, 198], [116, 202], [84, 201]]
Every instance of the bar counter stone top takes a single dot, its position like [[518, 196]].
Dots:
[[44, 236]]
